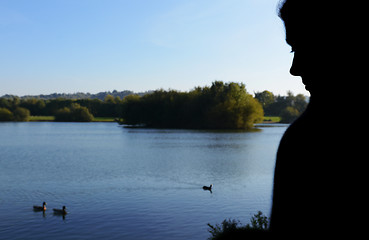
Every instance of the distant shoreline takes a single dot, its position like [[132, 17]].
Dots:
[[267, 119], [52, 119]]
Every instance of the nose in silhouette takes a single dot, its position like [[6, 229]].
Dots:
[[296, 67]]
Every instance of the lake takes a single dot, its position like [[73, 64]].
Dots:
[[131, 183]]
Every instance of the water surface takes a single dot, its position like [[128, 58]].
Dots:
[[121, 183]]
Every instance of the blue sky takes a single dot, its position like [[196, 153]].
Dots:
[[69, 46]]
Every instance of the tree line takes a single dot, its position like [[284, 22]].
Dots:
[[19, 114], [79, 95], [288, 108], [75, 110], [222, 105]]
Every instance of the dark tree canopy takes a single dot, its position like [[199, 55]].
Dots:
[[75, 113], [221, 106]]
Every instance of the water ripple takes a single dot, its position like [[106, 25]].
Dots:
[[130, 183]]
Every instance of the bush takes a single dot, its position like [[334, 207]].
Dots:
[[75, 113], [21, 114], [81, 114], [5, 115], [63, 115], [233, 229], [289, 114]]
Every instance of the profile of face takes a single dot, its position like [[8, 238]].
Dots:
[[307, 60], [317, 59]]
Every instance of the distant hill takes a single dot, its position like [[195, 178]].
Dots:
[[80, 95]]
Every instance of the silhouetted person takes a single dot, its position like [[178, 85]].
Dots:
[[319, 182]]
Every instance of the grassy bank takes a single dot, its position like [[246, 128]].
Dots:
[[52, 118], [271, 119], [104, 119], [41, 118]]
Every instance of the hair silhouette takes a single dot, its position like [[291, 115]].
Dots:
[[318, 177]]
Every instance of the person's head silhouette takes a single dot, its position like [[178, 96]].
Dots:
[[319, 35]]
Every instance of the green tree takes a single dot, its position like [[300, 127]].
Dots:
[[109, 99], [300, 103], [131, 110], [5, 103], [289, 114], [15, 101], [117, 99], [81, 114], [233, 107], [265, 98], [75, 113], [21, 114], [35, 106], [5, 115], [63, 115]]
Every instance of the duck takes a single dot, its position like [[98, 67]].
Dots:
[[62, 211], [208, 188], [40, 208]]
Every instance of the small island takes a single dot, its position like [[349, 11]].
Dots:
[[220, 106]]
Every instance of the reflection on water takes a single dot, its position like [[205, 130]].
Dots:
[[130, 183], [40, 211]]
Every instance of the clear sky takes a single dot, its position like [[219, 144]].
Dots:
[[69, 46]]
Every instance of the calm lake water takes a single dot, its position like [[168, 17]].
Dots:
[[122, 183]]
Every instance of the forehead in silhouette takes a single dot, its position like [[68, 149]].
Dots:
[[310, 24]]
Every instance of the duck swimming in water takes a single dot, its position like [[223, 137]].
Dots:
[[60, 211], [208, 188], [40, 208]]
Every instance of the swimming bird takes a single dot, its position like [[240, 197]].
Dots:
[[60, 211], [40, 208], [208, 188]]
